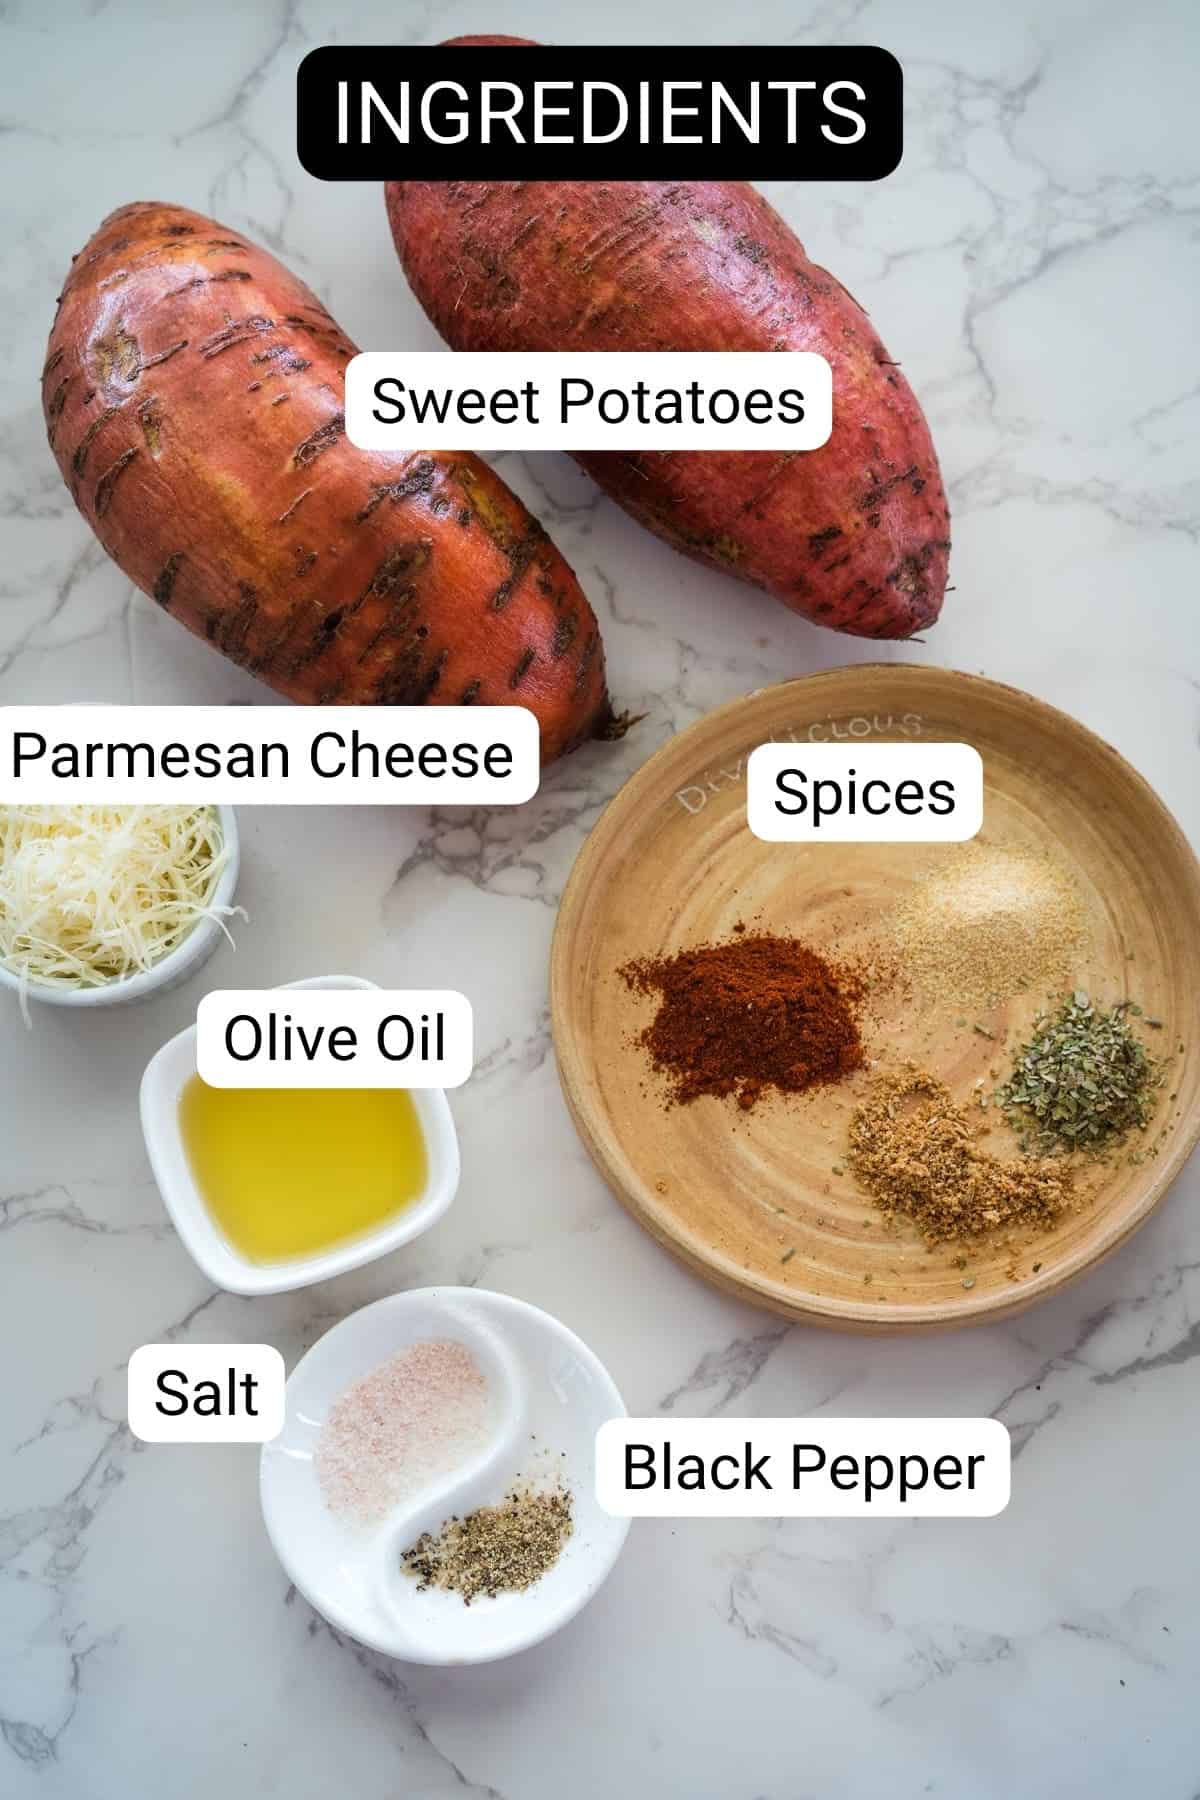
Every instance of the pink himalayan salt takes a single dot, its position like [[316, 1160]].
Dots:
[[416, 1417]]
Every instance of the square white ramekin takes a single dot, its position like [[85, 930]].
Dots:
[[162, 1084]]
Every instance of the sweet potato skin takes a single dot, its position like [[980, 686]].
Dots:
[[193, 393], [854, 535]]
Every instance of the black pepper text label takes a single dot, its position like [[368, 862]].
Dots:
[[803, 1468]]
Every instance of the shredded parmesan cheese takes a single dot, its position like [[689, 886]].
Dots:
[[95, 894]]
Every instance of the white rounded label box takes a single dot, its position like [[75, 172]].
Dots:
[[334, 1037], [621, 400], [858, 793], [803, 1468], [206, 1393], [276, 755]]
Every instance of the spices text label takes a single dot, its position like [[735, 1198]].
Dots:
[[803, 1468], [864, 793], [334, 1037]]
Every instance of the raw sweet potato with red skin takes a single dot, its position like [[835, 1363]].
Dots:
[[854, 535], [193, 394]]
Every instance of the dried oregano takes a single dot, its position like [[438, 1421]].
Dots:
[[1083, 1081]]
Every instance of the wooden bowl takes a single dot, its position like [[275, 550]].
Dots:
[[754, 1201]]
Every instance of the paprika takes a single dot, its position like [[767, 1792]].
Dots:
[[756, 1012]]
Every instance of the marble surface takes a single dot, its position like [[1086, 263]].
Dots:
[[1035, 265]]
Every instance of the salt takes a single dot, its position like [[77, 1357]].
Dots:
[[416, 1417]]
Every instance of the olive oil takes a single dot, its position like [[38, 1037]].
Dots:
[[289, 1172]]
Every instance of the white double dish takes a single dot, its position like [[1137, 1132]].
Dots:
[[548, 1396]]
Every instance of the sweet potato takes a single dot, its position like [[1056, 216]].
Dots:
[[193, 394], [854, 535]]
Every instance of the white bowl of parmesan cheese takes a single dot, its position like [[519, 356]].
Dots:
[[103, 905]]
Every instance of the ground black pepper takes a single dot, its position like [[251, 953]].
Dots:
[[494, 1549]]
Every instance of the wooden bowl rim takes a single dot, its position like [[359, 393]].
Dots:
[[717, 1268]]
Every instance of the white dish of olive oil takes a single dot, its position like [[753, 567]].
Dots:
[[273, 1189]]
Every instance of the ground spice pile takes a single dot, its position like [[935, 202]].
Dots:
[[915, 1151], [495, 1549], [756, 1012], [1084, 1081], [990, 921]]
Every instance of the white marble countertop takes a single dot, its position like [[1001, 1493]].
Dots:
[[1035, 265]]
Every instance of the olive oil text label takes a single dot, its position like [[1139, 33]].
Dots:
[[334, 1037]]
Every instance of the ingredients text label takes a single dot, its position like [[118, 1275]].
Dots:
[[803, 1468], [274, 755], [334, 1037], [864, 793], [589, 400], [512, 112]]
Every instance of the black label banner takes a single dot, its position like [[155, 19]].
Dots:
[[541, 112]]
